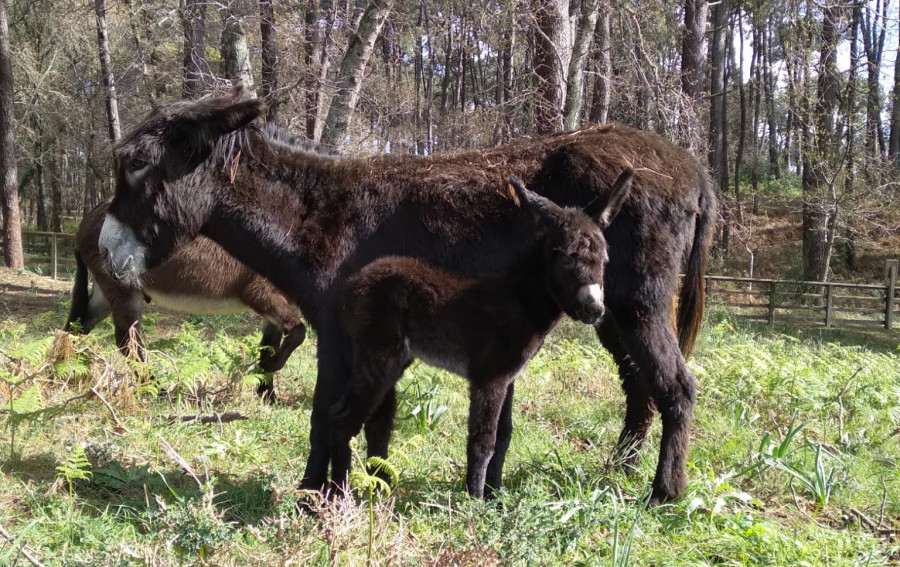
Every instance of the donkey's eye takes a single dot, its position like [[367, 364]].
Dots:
[[137, 165]]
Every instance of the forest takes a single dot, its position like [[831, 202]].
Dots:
[[782, 98]]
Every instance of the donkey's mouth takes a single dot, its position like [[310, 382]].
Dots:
[[122, 251]]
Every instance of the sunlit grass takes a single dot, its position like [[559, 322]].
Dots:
[[794, 458]]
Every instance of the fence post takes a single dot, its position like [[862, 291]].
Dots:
[[889, 296], [772, 302], [53, 255], [829, 300], [708, 290]]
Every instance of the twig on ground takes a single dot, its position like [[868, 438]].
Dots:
[[208, 418], [112, 412], [863, 519], [21, 548]]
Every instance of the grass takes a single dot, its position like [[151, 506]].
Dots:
[[794, 458]]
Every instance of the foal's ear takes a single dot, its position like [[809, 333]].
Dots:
[[617, 195], [543, 209]]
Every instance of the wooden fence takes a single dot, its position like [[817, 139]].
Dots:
[[818, 303], [828, 304], [49, 252]]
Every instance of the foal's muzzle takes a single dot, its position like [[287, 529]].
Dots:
[[590, 304]]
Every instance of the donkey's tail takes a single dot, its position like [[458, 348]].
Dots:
[[80, 297], [692, 300]]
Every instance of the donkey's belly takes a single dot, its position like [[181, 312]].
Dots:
[[196, 304]]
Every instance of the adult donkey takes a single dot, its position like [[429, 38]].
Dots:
[[200, 277], [309, 222]]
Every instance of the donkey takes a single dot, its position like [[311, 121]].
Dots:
[[309, 222], [486, 330], [199, 278]]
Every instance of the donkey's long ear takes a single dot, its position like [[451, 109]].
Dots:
[[617, 195], [543, 209], [208, 120]]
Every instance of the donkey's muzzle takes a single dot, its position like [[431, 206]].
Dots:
[[122, 251], [590, 304]]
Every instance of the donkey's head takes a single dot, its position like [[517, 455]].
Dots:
[[575, 252], [167, 172]]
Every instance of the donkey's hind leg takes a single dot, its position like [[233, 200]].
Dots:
[[651, 343], [486, 399], [373, 381], [639, 406]]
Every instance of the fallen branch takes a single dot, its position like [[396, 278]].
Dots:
[[20, 547], [209, 418]]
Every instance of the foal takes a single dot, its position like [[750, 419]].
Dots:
[[485, 330]]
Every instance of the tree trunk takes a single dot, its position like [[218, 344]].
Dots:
[[774, 165], [350, 75], [849, 112], [737, 70], [894, 143], [193, 22], [12, 224], [235, 51], [109, 81], [603, 79], [269, 65], [718, 149], [818, 158], [692, 48], [584, 37], [551, 58], [55, 188], [873, 40]]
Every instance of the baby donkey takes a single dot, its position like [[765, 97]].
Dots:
[[485, 330]]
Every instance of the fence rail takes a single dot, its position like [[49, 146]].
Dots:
[[819, 303], [829, 304]]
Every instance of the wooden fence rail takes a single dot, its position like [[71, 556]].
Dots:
[[819, 303]]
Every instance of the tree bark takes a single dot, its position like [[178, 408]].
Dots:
[[193, 22], [894, 143], [269, 65], [352, 68], [692, 48], [12, 224], [584, 37], [235, 51], [873, 27], [109, 81], [603, 78], [551, 58], [819, 158], [718, 150]]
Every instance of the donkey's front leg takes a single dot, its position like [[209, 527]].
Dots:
[[494, 476], [333, 374], [485, 403]]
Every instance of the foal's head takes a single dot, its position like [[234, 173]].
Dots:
[[165, 179], [575, 252]]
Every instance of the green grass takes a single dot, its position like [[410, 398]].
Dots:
[[795, 448]]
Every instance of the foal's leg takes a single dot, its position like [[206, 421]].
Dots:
[[486, 398], [380, 425], [494, 475], [639, 407], [653, 346], [375, 373]]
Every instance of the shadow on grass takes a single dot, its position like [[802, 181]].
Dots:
[[39, 468], [245, 501]]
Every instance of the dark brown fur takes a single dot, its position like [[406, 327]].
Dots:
[[201, 272], [485, 329], [309, 222]]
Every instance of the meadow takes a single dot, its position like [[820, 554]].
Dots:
[[795, 456]]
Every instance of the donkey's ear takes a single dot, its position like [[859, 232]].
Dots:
[[617, 196], [543, 209], [212, 119]]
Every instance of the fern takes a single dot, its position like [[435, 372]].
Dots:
[[75, 467]]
